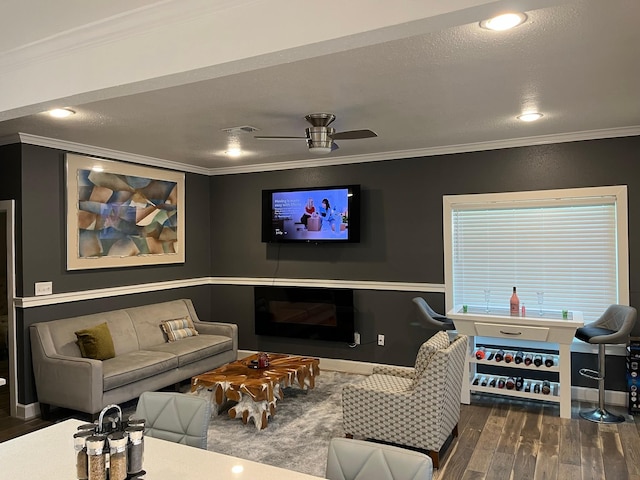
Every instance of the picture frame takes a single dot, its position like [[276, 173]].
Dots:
[[122, 215]]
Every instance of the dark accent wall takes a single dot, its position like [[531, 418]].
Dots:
[[401, 239], [402, 234]]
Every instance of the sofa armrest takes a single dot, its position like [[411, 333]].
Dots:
[[219, 328], [65, 381], [404, 372]]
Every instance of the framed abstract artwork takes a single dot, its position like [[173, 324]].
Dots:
[[122, 215]]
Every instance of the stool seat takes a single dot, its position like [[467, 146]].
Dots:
[[594, 334], [613, 326]]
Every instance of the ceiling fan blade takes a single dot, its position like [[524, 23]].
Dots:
[[334, 146], [262, 137], [354, 135]]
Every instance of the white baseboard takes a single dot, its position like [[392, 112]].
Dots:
[[611, 397], [28, 411]]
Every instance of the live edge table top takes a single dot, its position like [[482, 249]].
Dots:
[[256, 389]]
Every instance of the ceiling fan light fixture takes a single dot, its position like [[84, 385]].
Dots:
[[530, 117], [320, 150], [505, 21]]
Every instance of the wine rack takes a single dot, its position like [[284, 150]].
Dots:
[[497, 329], [519, 370]]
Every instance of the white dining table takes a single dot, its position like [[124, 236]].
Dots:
[[48, 453]]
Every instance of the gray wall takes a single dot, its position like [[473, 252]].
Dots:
[[401, 238], [402, 234]]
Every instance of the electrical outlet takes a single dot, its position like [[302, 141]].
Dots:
[[44, 288], [381, 340], [356, 338]]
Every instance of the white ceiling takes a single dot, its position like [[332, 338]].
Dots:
[[455, 87]]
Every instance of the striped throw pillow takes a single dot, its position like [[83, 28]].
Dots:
[[178, 329]]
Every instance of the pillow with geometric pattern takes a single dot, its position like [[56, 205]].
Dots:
[[178, 329]]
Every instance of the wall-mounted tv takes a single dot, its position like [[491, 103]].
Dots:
[[316, 214]]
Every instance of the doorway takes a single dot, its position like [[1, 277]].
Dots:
[[8, 356]]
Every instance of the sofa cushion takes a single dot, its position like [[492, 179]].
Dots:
[[134, 366], [96, 342], [147, 319], [192, 349], [178, 329]]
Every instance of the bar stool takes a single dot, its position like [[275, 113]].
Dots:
[[430, 317], [614, 326]]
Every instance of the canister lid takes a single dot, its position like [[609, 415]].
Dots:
[[135, 433], [118, 440], [95, 444]]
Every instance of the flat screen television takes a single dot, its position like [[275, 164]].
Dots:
[[316, 214], [303, 312]]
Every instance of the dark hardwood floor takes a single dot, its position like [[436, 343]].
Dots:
[[500, 438]]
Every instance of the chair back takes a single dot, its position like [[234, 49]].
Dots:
[[176, 417], [350, 459], [430, 317], [620, 319]]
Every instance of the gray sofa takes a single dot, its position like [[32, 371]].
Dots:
[[143, 361]]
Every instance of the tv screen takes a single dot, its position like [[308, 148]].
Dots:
[[318, 214]]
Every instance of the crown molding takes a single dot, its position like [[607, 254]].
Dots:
[[433, 151], [323, 162], [108, 153]]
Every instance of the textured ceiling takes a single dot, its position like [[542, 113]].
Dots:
[[577, 63]]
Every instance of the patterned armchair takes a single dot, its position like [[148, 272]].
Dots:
[[417, 407]]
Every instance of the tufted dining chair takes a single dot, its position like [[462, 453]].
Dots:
[[417, 407], [350, 459], [176, 417]]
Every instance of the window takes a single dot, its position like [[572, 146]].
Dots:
[[572, 245]]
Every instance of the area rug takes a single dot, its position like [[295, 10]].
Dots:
[[298, 435]]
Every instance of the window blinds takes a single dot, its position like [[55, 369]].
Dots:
[[566, 249]]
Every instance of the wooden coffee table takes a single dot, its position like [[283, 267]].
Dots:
[[256, 389]]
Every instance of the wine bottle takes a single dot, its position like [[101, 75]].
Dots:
[[490, 357], [518, 358], [484, 381], [492, 383], [548, 361], [514, 304], [519, 383], [511, 383], [480, 353], [527, 388], [528, 359], [499, 355], [536, 388], [501, 383], [546, 387], [537, 360], [476, 381], [508, 357]]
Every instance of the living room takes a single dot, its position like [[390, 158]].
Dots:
[[399, 256]]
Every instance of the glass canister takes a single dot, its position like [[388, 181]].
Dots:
[[118, 455], [80, 447], [135, 449], [97, 457]]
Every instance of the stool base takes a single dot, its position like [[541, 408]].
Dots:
[[600, 415]]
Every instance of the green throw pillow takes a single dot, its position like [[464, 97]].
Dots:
[[96, 342]]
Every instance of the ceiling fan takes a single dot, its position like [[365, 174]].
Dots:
[[320, 136]]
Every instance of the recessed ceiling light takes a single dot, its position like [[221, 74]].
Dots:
[[61, 112], [504, 21], [530, 117], [234, 152]]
